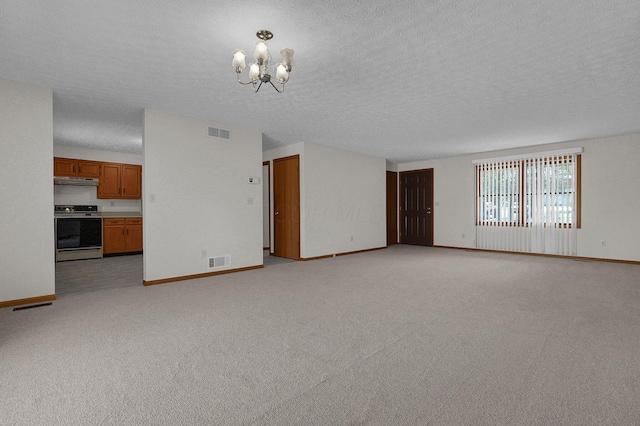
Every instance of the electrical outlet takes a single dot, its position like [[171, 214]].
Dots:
[[603, 243], [352, 238], [462, 236]]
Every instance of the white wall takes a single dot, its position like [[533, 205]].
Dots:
[[26, 172], [196, 199], [610, 201], [78, 195], [342, 199], [345, 203]]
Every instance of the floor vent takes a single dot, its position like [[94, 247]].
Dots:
[[21, 308], [219, 133], [219, 262]]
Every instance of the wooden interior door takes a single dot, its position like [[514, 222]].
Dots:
[[416, 207], [392, 208], [286, 204]]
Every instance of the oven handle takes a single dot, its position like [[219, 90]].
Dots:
[[79, 248]]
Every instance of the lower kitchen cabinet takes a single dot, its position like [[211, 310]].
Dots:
[[121, 235]]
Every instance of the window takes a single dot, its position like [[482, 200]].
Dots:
[[499, 193], [530, 203], [529, 191]]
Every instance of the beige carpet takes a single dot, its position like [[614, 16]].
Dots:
[[402, 336]]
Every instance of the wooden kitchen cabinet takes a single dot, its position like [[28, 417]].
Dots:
[[120, 181], [133, 235], [75, 168], [131, 181], [113, 236], [121, 235]]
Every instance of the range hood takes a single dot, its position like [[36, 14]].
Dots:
[[75, 181]]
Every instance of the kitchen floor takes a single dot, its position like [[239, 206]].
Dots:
[[82, 276]]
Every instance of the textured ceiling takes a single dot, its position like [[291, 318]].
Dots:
[[404, 80]]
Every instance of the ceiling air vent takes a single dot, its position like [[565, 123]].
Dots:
[[214, 131], [219, 133]]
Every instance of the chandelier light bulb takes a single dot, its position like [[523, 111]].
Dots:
[[239, 59], [254, 71], [262, 51], [282, 75], [287, 58]]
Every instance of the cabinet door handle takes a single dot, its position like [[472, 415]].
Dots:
[[124, 191], [122, 231], [127, 232]]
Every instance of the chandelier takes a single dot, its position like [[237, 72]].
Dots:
[[259, 71]]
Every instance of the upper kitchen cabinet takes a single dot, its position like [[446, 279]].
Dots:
[[120, 181], [131, 181], [75, 168]]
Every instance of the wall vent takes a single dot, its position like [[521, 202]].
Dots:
[[219, 262], [219, 133]]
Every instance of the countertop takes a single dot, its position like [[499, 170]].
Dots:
[[120, 214]]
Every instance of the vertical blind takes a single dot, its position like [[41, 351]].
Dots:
[[528, 204]]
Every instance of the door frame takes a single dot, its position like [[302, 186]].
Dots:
[[268, 203], [392, 214]]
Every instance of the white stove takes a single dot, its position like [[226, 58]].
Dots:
[[78, 232]]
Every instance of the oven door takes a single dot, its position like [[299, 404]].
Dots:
[[78, 238]]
